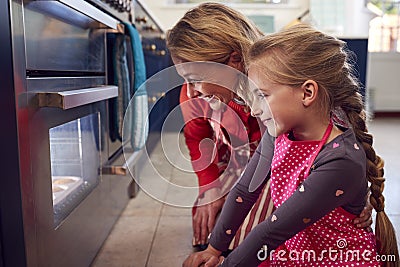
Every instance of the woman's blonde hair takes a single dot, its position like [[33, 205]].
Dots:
[[211, 32], [300, 53]]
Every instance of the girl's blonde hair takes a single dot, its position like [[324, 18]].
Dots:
[[211, 32], [300, 53]]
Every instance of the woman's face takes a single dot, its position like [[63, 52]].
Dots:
[[213, 82], [279, 107]]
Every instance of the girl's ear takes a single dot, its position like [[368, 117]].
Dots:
[[310, 92], [236, 61]]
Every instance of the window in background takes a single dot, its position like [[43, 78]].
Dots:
[[329, 15], [264, 22], [384, 30]]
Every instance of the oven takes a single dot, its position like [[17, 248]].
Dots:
[[73, 182]]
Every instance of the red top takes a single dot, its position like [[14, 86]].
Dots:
[[238, 128]]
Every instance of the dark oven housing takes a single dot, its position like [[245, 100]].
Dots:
[[71, 181]]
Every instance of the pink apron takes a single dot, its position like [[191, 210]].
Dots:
[[290, 167]]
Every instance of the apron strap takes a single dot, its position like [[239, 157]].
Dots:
[[320, 145]]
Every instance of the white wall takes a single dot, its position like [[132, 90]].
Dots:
[[383, 82], [168, 14]]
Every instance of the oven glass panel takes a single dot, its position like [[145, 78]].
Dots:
[[75, 161], [63, 40]]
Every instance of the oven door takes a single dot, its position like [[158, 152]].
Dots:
[[72, 212]]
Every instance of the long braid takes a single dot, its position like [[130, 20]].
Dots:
[[384, 230]]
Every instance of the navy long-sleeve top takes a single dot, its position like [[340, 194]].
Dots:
[[342, 167]]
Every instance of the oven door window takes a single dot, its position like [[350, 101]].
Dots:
[[75, 161]]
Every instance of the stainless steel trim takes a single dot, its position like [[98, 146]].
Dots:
[[75, 98], [91, 11], [122, 169]]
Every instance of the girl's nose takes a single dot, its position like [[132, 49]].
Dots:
[[256, 112]]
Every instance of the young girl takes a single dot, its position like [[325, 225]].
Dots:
[[323, 160]]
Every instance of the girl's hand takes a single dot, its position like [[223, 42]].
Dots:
[[364, 220], [214, 262], [207, 258]]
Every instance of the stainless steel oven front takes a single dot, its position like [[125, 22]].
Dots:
[[60, 70]]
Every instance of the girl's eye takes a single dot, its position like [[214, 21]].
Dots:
[[262, 95]]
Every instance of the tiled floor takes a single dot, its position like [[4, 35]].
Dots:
[[150, 233]]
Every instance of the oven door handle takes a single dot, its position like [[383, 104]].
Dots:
[[75, 98], [124, 168]]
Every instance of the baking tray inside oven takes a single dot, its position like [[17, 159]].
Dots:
[[63, 186], [68, 192]]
